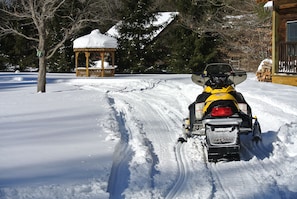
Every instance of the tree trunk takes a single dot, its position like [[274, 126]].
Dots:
[[41, 75], [41, 54]]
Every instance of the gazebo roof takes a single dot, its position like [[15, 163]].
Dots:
[[95, 40]]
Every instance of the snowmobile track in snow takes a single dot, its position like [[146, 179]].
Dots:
[[182, 171], [133, 144], [117, 182], [195, 162], [193, 177]]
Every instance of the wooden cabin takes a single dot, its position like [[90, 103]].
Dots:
[[284, 42]]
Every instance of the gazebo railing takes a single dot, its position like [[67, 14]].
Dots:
[[287, 58]]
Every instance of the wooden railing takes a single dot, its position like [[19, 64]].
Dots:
[[287, 58]]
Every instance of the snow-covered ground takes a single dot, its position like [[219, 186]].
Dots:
[[116, 138]]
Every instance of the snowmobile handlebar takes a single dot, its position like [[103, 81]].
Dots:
[[219, 80]]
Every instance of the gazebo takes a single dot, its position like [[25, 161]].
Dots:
[[95, 55]]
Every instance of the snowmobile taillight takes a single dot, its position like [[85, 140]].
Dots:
[[221, 111]]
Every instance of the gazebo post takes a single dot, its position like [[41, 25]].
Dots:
[[87, 54], [76, 62], [102, 63], [112, 58]]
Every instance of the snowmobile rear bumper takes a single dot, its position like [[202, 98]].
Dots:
[[216, 153], [222, 121], [222, 138]]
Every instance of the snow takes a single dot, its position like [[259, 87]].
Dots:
[[98, 64], [269, 5], [265, 63], [116, 138], [95, 40]]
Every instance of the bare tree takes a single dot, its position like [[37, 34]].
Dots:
[[245, 35], [36, 15]]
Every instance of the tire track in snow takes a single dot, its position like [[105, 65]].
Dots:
[[258, 170], [222, 190], [169, 120], [194, 179], [182, 172], [140, 162], [230, 182], [119, 175], [218, 189]]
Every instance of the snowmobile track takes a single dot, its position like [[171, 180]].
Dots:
[[182, 171], [117, 182], [191, 158]]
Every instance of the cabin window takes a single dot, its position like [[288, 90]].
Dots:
[[292, 31]]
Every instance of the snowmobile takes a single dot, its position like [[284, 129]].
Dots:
[[220, 113]]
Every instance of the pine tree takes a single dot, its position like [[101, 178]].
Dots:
[[192, 49], [136, 33]]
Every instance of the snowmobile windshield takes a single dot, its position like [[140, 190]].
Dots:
[[213, 69]]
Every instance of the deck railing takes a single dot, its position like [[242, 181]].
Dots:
[[287, 58]]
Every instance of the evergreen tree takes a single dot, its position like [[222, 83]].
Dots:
[[189, 51], [135, 34], [17, 52], [195, 47], [181, 50], [205, 51]]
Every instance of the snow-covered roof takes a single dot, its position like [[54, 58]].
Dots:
[[95, 40], [163, 19]]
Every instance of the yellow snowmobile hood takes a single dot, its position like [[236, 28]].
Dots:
[[227, 89], [218, 94]]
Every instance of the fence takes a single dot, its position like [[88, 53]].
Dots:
[[287, 58]]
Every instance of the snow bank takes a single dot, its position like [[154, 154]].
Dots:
[[288, 136]]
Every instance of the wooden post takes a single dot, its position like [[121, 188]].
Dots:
[[275, 43], [112, 58], [87, 54], [76, 63], [102, 64]]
